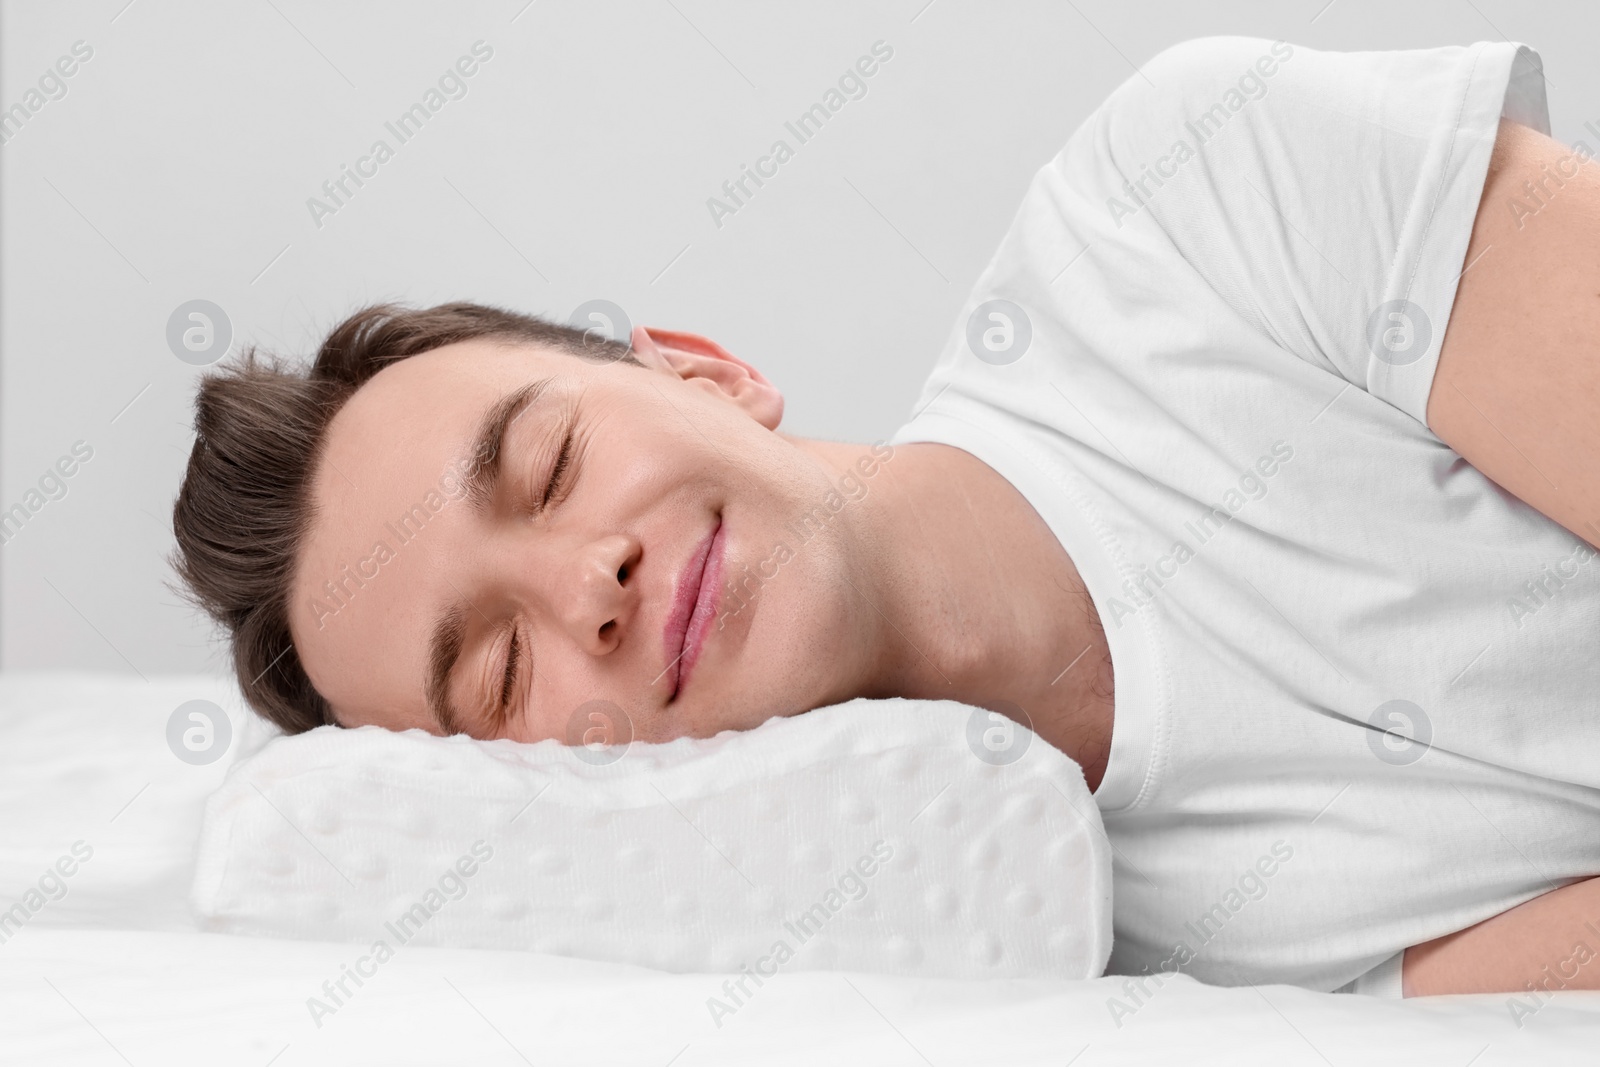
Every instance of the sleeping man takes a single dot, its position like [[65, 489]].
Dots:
[[1258, 476]]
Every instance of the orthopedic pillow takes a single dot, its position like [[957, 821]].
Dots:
[[866, 837]]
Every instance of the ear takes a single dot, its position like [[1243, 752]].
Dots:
[[697, 359]]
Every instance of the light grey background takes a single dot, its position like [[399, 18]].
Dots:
[[578, 166]]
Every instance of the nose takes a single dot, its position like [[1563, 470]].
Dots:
[[596, 600]]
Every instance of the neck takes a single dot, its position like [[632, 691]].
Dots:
[[967, 595]]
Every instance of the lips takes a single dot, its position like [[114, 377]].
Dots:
[[694, 607]]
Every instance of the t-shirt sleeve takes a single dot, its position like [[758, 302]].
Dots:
[[1328, 198]]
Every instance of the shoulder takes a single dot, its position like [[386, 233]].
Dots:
[[1193, 87], [1204, 71], [1214, 61]]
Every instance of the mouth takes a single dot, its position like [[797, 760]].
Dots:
[[694, 608]]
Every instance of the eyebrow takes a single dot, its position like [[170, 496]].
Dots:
[[480, 482]]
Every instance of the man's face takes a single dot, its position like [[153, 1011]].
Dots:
[[585, 589]]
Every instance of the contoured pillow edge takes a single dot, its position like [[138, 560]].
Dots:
[[694, 855]]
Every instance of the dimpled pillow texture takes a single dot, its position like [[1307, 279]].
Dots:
[[883, 836]]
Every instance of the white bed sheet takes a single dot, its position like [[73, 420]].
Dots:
[[161, 998], [116, 973], [84, 756]]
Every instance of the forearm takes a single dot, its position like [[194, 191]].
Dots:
[[1517, 390], [1548, 943]]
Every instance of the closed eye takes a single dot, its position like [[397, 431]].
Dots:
[[511, 674], [559, 471]]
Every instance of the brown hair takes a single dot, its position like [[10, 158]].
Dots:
[[244, 507]]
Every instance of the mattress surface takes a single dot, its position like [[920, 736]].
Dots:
[[85, 997]]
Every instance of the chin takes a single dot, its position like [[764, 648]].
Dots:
[[746, 717], [772, 657]]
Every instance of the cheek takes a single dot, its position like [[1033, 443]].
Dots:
[[696, 421], [573, 699], [633, 463]]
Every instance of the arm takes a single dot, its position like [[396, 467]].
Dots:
[[1517, 390], [1517, 394], [1551, 941]]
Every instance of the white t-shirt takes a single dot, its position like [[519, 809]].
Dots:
[[1227, 297]]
